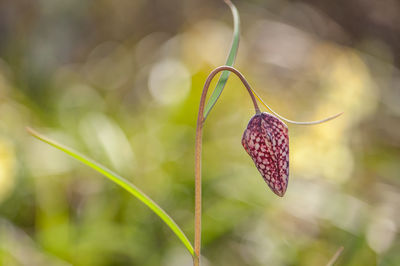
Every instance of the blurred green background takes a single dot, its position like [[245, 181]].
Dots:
[[120, 81]]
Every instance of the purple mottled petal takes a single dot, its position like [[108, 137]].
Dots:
[[266, 140]]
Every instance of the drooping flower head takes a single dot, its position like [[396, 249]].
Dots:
[[266, 140]]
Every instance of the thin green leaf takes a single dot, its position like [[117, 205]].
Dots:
[[229, 62], [125, 184]]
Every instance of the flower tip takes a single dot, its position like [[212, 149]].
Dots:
[[280, 193]]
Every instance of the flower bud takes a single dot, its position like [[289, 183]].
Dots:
[[266, 140]]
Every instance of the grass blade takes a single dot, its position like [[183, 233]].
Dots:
[[229, 62], [335, 257], [125, 184]]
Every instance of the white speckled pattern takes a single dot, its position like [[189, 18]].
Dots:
[[266, 140]]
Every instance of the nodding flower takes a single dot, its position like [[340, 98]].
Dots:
[[266, 140]]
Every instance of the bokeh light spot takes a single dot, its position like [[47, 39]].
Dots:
[[169, 81]]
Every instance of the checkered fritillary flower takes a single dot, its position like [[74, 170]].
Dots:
[[266, 140]]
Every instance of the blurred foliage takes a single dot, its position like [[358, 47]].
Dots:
[[121, 80]]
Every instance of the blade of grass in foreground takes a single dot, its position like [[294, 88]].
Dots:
[[229, 62], [125, 184], [335, 257]]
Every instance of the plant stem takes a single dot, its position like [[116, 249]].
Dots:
[[198, 148]]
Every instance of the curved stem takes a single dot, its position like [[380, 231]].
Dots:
[[254, 95], [240, 76], [198, 147], [199, 134]]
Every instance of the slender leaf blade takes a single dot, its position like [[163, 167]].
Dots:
[[335, 256], [122, 182], [229, 62]]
